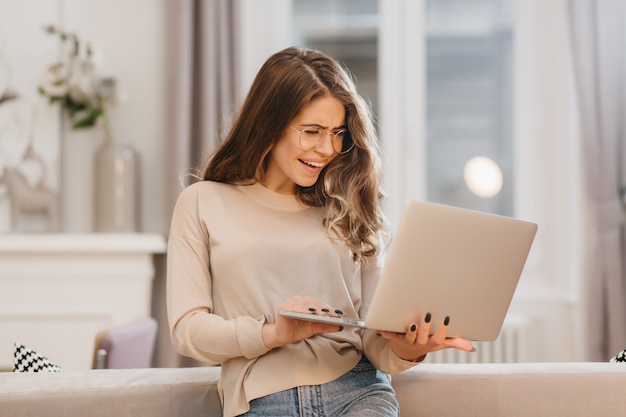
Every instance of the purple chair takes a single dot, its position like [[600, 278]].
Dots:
[[127, 346]]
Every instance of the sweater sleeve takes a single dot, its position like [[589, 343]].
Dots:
[[194, 329]]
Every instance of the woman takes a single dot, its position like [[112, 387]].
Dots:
[[288, 216]]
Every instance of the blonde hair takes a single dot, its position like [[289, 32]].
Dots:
[[349, 188]]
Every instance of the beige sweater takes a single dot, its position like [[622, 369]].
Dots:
[[234, 254]]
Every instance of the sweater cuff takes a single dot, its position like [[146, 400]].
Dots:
[[250, 337]]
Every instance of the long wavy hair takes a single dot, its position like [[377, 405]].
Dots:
[[349, 188]]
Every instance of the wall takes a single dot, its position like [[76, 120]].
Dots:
[[129, 36]]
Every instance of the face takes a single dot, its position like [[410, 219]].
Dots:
[[289, 165]]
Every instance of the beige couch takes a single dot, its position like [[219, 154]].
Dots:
[[481, 390]]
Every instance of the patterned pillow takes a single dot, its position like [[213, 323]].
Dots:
[[27, 360], [620, 357]]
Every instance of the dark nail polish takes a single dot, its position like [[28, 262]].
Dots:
[[378, 334], [446, 321], [473, 349], [413, 327], [312, 309], [340, 328], [339, 312], [427, 318], [325, 310]]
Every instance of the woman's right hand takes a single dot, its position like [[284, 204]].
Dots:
[[286, 330]]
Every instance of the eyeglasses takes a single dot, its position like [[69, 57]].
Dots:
[[312, 138]]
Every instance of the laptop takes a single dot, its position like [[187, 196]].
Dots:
[[447, 261]]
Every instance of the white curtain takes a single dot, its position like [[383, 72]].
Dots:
[[598, 41]]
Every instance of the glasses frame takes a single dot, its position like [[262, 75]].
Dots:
[[321, 142]]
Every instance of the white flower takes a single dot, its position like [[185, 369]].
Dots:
[[75, 83], [54, 82]]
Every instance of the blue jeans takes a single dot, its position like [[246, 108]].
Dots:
[[362, 392]]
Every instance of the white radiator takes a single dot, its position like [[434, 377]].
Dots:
[[510, 346]]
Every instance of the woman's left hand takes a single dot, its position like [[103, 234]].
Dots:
[[417, 342]]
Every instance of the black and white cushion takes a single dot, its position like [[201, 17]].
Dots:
[[620, 357], [27, 360]]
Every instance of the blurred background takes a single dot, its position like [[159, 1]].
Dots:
[[513, 107]]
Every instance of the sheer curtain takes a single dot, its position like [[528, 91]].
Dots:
[[598, 41], [202, 50], [214, 49]]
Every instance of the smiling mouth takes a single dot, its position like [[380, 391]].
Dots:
[[312, 164]]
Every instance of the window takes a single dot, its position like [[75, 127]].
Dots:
[[346, 30], [468, 88], [469, 104]]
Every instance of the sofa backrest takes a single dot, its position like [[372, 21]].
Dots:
[[481, 390]]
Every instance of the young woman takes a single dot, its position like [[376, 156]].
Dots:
[[288, 216]]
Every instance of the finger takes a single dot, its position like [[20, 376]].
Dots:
[[315, 307], [440, 335], [461, 344], [325, 310], [306, 304], [331, 311], [334, 312], [318, 307], [411, 334], [389, 335], [424, 331], [325, 328]]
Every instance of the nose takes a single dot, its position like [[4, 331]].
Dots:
[[326, 147]]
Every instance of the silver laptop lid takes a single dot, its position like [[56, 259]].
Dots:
[[451, 262]]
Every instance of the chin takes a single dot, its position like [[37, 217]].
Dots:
[[307, 184]]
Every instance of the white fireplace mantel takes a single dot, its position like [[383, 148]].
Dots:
[[57, 291]]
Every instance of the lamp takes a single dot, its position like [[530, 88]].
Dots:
[[483, 176]]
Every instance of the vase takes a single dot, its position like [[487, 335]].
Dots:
[[116, 172], [77, 178]]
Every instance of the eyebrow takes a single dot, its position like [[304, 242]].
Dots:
[[305, 125]]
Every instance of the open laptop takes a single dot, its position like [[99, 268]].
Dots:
[[447, 261]]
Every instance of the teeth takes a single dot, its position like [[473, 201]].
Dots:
[[313, 164]]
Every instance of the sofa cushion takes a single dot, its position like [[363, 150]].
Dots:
[[562, 389], [150, 392]]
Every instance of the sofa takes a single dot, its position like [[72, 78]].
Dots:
[[481, 390]]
